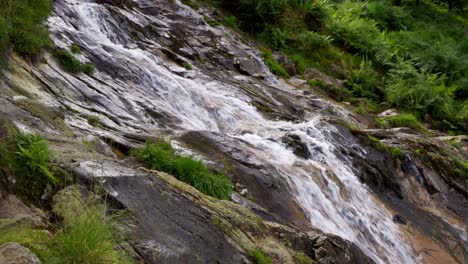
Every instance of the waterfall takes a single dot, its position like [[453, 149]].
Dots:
[[324, 185]]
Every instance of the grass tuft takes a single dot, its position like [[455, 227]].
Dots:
[[71, 64], [260, 257], [88, 239], [159, 155], [273, 65]]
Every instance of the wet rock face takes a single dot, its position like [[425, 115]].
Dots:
[[323, 249], [299, 147], [163, 225], [265, 188], [13, 209], [14, 253]]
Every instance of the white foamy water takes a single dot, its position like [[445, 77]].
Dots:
[[325, 186]]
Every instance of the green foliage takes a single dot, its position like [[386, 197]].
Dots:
[[32, 165], [187, 66], [260, 257], [94, 121], [34, 239], [159, 155], [397, 153], [386, 15], [364, 81], [21, 25], [273, 65], [88, 240], [74, 48], [71, 64], [403, 120], [420, 92], [414, 57], [302, 258], [192, 3], [231, 21], [461, 167], [377, 143]]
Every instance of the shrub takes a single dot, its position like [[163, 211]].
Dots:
[[259, 257], [421, 92], [32, 165], [364, 81], [71, 64], [386, 16], [231, 21], [311, 41], [159, 155], [273, 65], [22, 20]]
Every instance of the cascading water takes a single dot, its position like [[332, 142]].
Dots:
[[334, 199]]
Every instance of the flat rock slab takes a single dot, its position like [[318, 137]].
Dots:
[[164, 226], [14, 253]]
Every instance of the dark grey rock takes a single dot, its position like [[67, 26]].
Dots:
[[14, 253]]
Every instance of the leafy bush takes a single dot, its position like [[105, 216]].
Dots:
[[159, 155], [386, 15], [22, 19], [420, 92], [364, 81], [71, 64], [32, 165]]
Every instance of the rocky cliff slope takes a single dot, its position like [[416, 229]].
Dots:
[[314, 180]]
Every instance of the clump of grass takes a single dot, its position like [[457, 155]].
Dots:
[[461, 167], [159, 155], [260, 257], [187, 66], [71, 64], [302, 258], [273, 65], [402, 120], [75, 48], [397, 153], [94, 121], [88, 239], [377, 143], [211, 21]]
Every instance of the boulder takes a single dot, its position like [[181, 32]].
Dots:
[[320, 247], [12, 208], [14, 253], [299, 148]]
